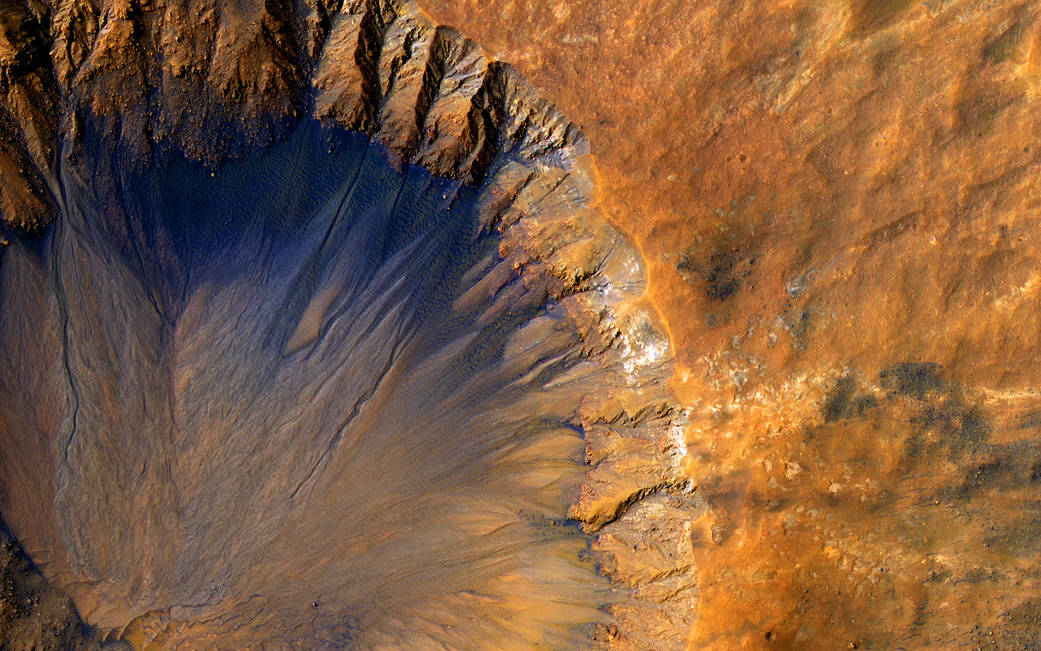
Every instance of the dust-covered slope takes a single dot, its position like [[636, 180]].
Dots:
[[311, 334]]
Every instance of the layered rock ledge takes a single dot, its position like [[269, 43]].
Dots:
[[313, 335]]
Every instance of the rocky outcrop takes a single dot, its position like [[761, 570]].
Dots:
[[323, 319], [28, 118], [836, 203], [216, 80], [33, 614]]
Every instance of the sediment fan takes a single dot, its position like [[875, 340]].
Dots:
[[311, 334]]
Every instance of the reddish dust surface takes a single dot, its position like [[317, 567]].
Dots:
[[838, 205]]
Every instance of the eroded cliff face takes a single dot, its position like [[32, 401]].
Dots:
[[313, 335], [834, 203], [837, 205]]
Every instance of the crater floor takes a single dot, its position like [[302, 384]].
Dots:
[[318, 342], [318, 297]]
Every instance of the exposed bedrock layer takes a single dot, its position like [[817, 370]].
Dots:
[[34, 614], [837, 203], [312, 335]]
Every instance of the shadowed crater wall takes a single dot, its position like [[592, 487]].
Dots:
[[312, 335]]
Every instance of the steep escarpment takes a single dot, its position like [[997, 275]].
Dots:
[[312, 335], [28, 118], [837, 206], [217, 80]]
